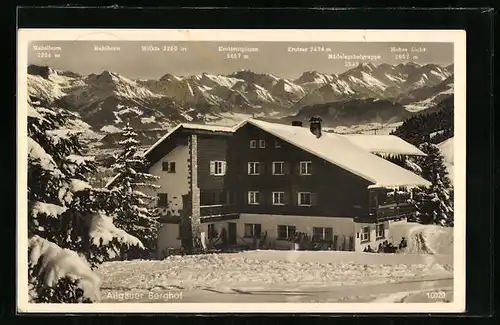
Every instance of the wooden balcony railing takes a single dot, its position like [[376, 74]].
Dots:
[[392, 211], [214, 210]]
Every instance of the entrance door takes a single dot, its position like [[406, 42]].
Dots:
[[231, 229]]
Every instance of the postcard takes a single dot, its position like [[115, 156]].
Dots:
[[241, 171]]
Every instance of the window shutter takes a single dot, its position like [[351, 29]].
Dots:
[[262, 168], [212, 168], [314, 199], [258, 230], [329, 234], [294, 197], [286, 168], [296, 168], [259, 198], [224, 167], [287, 198]]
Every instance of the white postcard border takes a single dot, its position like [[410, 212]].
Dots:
[[457, 37]]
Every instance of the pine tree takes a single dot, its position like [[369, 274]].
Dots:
[[132, 183], [68, 233], [435, 203]]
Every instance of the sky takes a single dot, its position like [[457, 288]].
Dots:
[[188, 58]]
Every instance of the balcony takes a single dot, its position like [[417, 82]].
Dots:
[[211, 213], [388, 204], [392, 211]]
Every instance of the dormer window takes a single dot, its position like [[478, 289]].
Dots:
[[253, 143], [262, 143]]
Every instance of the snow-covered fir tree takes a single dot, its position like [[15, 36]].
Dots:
[[136, 215], [68, 233], [435, 203]]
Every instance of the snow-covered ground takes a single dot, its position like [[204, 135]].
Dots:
[[293, 276]]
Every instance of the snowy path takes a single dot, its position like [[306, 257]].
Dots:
[[293, 276]]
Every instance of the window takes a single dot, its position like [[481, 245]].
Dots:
[[380, 231], [216, 197], [162, 200], [218, 168], [168, 167], [253, 143], [278, 168], [262, 143], [278, 198], [252, 230], [365, 234], [305, 198], [277, 144], [253, 197], [253, 168], [305, 168], [285, 232], [322, 234]]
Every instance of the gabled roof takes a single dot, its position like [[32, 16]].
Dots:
[[348, 152], [193, 127], [338, 150], [384, 144]]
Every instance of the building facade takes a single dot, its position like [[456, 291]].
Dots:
[[264, 181]]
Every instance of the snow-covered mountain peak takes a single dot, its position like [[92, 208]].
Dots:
[[367, 66], [205, 96], [409, 64], [169, 76]]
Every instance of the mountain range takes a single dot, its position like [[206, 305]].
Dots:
[[366, 93]]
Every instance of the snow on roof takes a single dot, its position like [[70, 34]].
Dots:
[[446, 148], [384, 144], [352, 155], [208, 127], [192, 126], [338, 150]]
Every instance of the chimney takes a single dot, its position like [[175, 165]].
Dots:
[[297, 123], [315, 125]]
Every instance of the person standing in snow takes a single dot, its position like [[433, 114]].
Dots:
[[264, 237], [403, 243]]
